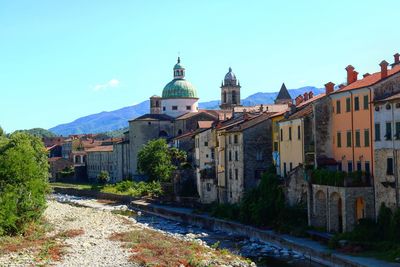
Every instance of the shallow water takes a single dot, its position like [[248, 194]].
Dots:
[[262, 253]]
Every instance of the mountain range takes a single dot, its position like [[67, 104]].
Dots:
[[117, 119]]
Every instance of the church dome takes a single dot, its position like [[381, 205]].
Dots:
[[230, 76], [179, 88]]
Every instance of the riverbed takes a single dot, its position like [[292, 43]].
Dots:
[[262, 253]]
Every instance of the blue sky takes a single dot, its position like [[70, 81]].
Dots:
[[60, 60]]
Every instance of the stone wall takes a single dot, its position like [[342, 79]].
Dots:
[[336, 207], [296, 187], [322, 128], [385, 185]]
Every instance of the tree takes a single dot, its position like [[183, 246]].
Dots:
[[104, 177], [1, 132], [157, 160], [23, 181]]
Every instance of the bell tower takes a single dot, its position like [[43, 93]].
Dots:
[[155, 104], [230, 91]]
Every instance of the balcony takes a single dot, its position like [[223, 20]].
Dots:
[[340, 179]]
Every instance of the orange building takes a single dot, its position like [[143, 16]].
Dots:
[[352, 118]]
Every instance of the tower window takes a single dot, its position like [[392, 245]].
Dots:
[[233, 97], [163, 108], [174, 107], [224, 97], [188, 107]]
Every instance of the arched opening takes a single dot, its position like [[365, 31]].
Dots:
[[163, 134], [320, 209], [360, 209], [180, 132], [234, 97], [157, 104], [224, 97], [335, 212]]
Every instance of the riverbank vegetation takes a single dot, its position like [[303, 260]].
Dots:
[[264, 206], [126, 187], [380, 239], [23, 182]]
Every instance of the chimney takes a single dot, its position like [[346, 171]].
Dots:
[[329, 88], [355, 76], [299, 99], [341, 86], [396, 59], [350, 74], [366, 75], [310, 95], [305, 96], [384, 69]]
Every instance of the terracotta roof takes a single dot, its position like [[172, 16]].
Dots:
[[100, 149], [154, 117], [310, 100], [214, 113], [205, 124], [304, 109], [54, 159], [245, 124], [188, 134], [369, 80]]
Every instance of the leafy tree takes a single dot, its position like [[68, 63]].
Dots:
[[384, 221], [38, 132], [157, 160], [104, 177], [1, 132], [23, 181]]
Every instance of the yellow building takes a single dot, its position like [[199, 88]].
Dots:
[[275, 119]]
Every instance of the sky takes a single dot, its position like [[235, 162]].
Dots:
[[61, 60]]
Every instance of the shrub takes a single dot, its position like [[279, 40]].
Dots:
[[104, 177], [23, 181]]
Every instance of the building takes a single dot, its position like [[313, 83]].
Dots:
[[207, 185], [387, 151], [101, 158], [173, 114], [230, 91], [244, 152], [283, 96], [122, 159]]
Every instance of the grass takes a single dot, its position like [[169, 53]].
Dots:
[[151, 248], [125, 188], [45, 248]]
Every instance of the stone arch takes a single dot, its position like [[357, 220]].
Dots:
[[335, 212], [359, 209], [320, 209], [163, 134]]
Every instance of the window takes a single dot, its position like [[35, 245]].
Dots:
[[290, 133], [348, 104], [259, 155], [366, 137], [281, 134], [366, 102], [367, 167], [236, 174], [208, 187], [377, 132], [233, 97], [224, 97], [236, 156], [275, 146], [230, 155], [359, 166], [188, 107], [205, 143], [163, 108], [358, 138], [284, 169], [339, 139], [340, 168], [235, 139], [338, 107], [397, 130], [349, 166], [298, 132], [212, 153], [230, 139], [230, 174], [356, 103], [388, 134], [174, 107], [348, 141], [389, 168], [291, 166]]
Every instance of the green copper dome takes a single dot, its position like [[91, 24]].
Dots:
[[179, 88]]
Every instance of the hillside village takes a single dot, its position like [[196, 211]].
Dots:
[[337, 152]]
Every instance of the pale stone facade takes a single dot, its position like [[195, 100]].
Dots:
[[205, 166], [387, 151], [101, 159]]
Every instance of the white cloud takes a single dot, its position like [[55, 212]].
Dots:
[[113, 83]]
